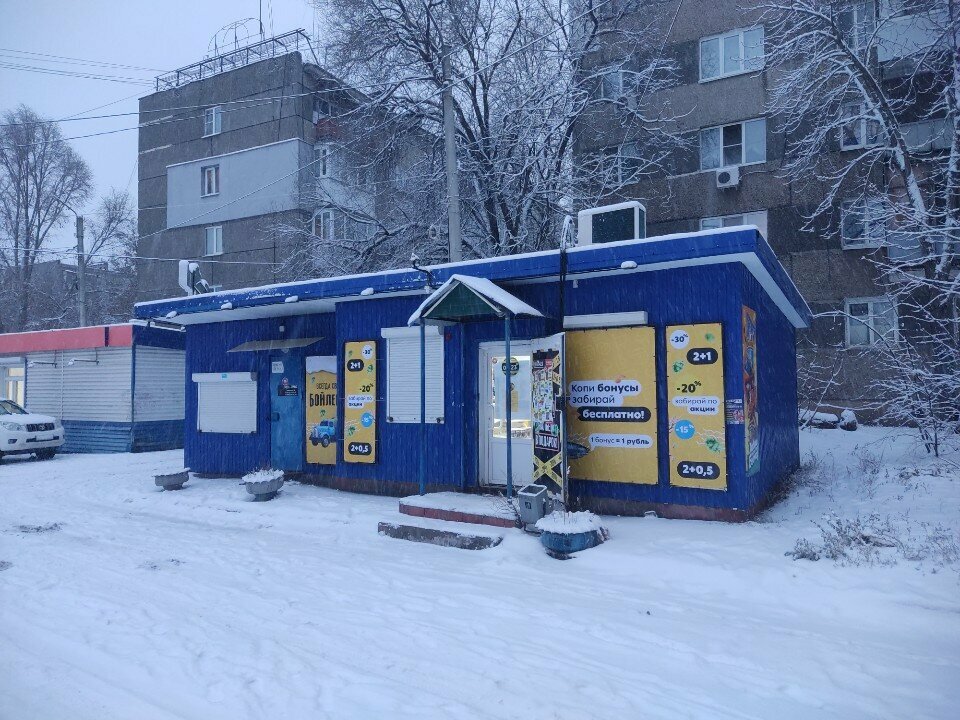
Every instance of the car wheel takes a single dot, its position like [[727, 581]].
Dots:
[[325, 441], [314, 441], [46, 453]]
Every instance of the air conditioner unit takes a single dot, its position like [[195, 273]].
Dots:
[[610, 223], [728, 177]]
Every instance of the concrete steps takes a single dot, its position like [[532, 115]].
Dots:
[[461, 508]]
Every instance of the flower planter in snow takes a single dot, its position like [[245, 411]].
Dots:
[[562, 533], [264, 484], [172, 481]]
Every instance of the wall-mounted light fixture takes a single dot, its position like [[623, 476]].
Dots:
[[35, 363], [73, 361]]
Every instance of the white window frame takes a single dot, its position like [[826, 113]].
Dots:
[[864, 123], [217, 240], [618, 73], [403, 374], [743, 144], [212, 121], [754, 217], [226, 402], [856, 22], [868, 210], [321, 157], [874, 338], [324, 224], [740, 34], [204, 172]]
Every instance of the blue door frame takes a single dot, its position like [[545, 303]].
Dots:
[[286, 412]]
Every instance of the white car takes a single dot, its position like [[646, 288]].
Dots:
[[22, 433]]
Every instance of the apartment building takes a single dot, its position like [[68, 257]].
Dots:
[[730, 173], [239, 159]]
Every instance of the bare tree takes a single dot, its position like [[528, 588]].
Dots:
[[526, 76], [868, 97], [40, 176]]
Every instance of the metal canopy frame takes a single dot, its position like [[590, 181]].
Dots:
[[464, 299]]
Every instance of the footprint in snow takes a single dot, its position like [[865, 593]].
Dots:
[[5, 565], [156, 565], [31, 529]]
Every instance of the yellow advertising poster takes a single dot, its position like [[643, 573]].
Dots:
[[321, 410], [360, 401], [612, 405], [695, 399]]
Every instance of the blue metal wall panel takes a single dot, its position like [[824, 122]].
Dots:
[[207, 351], [91, 436], [695, 294], [158, 337], [157, 435]]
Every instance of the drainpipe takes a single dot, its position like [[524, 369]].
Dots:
[[506, 404], [423, 407]]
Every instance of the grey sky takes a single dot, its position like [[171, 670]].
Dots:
[[159, 35]]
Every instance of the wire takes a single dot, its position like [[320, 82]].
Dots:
[[67, 60], [71, 253], [77, 74]]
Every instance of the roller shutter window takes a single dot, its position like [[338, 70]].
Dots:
[[227, 407], [403, 375]]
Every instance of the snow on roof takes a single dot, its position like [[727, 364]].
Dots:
[[742, 244], [485, 288]]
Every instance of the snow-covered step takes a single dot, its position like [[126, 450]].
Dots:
[[461, 507], [441, 533]]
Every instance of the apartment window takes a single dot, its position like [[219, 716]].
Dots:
[[862, 224], [739, 143], [870, 321], [858, 130], [758, 218], [611, 84], [321, 109], [324, 224], [927, 135], [732, 53], [213, 241], [856, 23], [321, 159], [209, 180], [211, 121], [403, 374]]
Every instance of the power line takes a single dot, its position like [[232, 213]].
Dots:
[[65, 59], [77, 74]]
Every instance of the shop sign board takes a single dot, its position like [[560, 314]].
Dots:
[[696, 408], [360, 401], [751, 410], [546, 388], [612, 405], [321, 409]]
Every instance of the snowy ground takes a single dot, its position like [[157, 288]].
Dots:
[[120, 601]]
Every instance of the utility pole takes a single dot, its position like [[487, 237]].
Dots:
[[81, 274], [450, 152]]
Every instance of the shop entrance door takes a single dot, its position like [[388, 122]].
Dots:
[[495, 392], [286, 412]]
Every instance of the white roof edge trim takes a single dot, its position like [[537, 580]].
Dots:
[[224, 377]]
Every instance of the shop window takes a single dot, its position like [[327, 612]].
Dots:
[[209, 180], [403, 374], [740, 143], [732, 53], [211, 121], [758, 218], [870, 321], [226, 405], [213, 240], [862, 224]]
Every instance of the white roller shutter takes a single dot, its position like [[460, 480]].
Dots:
[[403, 374], [226, 404]]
